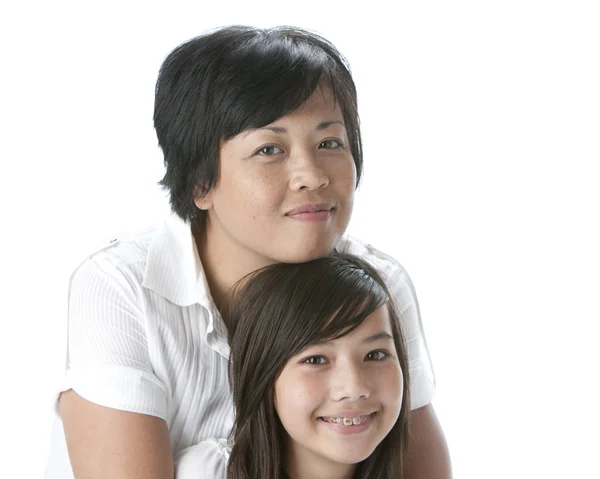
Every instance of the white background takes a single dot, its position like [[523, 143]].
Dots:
[[481, 125]]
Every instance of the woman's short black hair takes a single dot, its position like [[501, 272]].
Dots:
[[235, 78]]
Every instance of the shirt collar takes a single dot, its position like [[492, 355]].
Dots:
[[173, 268]]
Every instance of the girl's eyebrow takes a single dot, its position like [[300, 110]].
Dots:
[[368, 339], [380, 335]]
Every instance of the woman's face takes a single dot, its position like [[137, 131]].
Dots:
[[285, 191], [338, 400]]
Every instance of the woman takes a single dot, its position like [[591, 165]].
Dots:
[[319, 377], [261, 140]]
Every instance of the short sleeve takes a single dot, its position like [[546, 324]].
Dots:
[[108, 360], [422, 378], [208, 459]]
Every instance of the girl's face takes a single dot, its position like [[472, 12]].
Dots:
[[338, 400], [285, 191]]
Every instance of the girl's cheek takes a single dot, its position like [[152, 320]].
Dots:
[[393, 382], [308, 388], [305, 383]]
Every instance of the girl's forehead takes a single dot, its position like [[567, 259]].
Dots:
[[375, 326], [378, 321]]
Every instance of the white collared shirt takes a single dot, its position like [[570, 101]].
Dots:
[[145, 336]]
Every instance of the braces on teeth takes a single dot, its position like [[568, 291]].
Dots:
[[347, 421]]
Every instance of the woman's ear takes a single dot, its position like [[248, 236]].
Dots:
[[202, 201]]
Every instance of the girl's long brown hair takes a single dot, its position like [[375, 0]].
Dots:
[[275, 313]]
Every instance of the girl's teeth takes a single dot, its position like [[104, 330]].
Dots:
[[347, 421]]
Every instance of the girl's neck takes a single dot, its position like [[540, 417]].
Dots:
[[300, 466], [318, 475]]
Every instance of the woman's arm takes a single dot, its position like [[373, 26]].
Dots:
[[428, 456], [109, 375], [106, 443]]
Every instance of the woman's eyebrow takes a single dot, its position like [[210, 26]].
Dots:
[[275, 129], [320, 126], [326, 124]]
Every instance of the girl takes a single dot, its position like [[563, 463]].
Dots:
[[319, 376]]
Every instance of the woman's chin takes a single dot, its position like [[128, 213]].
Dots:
[[306, 253]]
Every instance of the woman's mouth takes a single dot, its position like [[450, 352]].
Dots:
[[311, 212]]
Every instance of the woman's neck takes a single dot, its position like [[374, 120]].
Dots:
[[224, 261]]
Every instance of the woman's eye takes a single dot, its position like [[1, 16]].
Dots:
[[314, 360], [269, 150], [376, 356], [331, 144]]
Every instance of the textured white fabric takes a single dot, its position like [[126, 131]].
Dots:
[[145, 336], [205, 460]]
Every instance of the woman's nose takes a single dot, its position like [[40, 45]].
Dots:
[[307, 173]]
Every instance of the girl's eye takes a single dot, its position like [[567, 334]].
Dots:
[[376, 356], [331, 144], [314, 360], [269, 150]]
